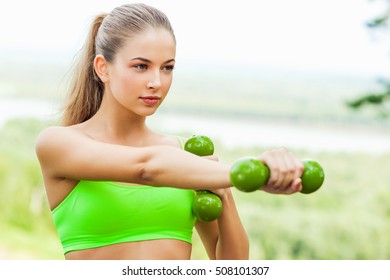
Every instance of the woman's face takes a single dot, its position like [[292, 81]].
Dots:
[[141, 74]]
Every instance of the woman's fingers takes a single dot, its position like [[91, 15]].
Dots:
[[285, 171]]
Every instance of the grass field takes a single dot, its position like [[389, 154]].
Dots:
[[348, 218]]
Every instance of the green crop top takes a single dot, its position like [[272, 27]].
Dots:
[[98, 213]]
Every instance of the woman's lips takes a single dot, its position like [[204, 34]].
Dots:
[[150, 100]]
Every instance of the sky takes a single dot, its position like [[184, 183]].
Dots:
[[321, 35]]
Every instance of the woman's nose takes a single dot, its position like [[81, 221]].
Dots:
[[154, 81]]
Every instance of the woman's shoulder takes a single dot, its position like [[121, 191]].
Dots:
[[53, 132], [55, 136]]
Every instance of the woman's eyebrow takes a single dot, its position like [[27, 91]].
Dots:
[[170, 60], [142, 59], [149, 61]]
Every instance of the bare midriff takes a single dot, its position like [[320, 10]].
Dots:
[[162, 249]]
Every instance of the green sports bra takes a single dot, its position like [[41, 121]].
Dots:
[[99, 213], [96, 214]]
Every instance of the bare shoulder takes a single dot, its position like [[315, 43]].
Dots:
[[50, 134], [54, 137], [47, 136]]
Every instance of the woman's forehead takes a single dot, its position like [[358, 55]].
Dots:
[[150, 43]]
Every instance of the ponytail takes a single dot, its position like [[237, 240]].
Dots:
[[85, 91]]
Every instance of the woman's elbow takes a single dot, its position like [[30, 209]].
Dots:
[[148, 169]]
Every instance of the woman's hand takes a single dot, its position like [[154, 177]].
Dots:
[[285, 171]]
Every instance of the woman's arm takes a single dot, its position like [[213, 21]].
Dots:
[[225, 238], [64, 152]]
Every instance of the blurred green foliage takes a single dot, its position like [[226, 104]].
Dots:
[[378, 99], [20, 177], [24, 217], [348, 218]]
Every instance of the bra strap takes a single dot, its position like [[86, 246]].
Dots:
[[181, 142]]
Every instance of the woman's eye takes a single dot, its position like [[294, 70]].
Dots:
[[168, 67], [141, 67]]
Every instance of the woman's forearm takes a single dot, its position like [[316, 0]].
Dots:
[[232, 241], [173, 167]]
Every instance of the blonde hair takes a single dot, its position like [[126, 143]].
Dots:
[[107, 35]]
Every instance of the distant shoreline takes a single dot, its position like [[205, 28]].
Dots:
[[233, 131]]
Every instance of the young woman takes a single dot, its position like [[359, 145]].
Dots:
[[117, 189]]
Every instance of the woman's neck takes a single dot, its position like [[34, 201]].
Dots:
[[114, 123]]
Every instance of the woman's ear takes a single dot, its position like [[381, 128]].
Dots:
[[101, 67]]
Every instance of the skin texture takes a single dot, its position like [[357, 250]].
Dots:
[[116, 145]]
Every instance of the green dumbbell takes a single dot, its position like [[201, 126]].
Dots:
[[248, 174], [199, 145], [207, 206]]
